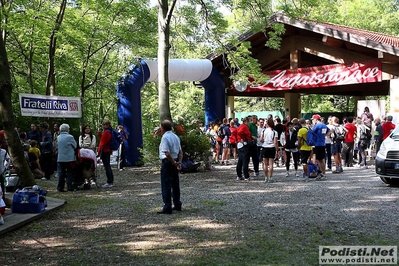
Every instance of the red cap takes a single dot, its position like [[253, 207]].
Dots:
[[316, 116]]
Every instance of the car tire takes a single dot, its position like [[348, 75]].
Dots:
[[390, 181]]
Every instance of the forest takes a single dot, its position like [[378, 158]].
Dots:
[[82, 48]]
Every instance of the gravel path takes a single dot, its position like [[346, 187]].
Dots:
[[119, 226]]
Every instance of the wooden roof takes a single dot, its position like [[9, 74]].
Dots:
[[319, 43]]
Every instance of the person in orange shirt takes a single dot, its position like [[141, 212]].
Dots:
[[218, 122]]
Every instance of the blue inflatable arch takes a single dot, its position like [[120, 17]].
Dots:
[[129, 87]]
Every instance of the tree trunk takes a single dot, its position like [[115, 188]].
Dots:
[[164, 15], [14, 145], [50, 82]]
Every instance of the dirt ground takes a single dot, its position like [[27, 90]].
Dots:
[[223, 222]]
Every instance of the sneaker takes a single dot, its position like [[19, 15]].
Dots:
[[321, 177], [239, 178], [43, 178], [120, 170], [296, 174], [1, 220], [287, 174], [271, 180], [107, 185], [256, 174], [56, 175], [364, 167]]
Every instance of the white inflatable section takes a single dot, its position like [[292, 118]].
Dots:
[[182, 69]]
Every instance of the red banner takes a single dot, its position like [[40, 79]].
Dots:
[[321, 76]]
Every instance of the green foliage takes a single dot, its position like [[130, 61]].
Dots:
[[195, 144], [96, 42], [256, 104], [244, 64]]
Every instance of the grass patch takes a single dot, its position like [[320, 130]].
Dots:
[[213, 203]]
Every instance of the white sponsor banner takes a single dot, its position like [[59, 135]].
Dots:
[[379, 255], [49, 106]]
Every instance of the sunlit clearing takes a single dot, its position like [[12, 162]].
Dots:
[[273, 204], [359, 209], [87, 224], [45, 242], [383, 198], [205, 223]]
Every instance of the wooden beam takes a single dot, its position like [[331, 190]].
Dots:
[[340, 55], [268, 56], [332, 42]]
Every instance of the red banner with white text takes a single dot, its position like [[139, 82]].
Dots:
[[321, 76]]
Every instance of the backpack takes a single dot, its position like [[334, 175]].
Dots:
[[311, 137], [212, 141], [221, 134], [338, 134], [187, 165], [115, 140], [313, 170], [368, 133], [364, 133]]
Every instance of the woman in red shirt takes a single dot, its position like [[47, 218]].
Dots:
[[233, 139], [105, 152], [349, 143]]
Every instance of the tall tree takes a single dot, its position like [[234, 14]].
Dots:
[[7, 116], [50, 83], [164, 17], [198, 18], [85, 46]]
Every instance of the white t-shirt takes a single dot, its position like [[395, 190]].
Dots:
[[4, 160], [327, 138], [260, 130], [2, 203], [268, 137]]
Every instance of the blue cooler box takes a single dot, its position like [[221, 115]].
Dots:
[[28, 200]]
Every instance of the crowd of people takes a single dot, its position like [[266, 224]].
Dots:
[[55, 152], [271, 141]]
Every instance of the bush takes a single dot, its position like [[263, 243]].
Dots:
[[194, 142]]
